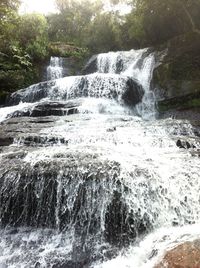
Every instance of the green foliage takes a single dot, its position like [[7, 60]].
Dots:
[[71, 25], [20, 57], [85, 24], [23, 45], [33, 35], [82, 27], [153, 21], [104, 33]]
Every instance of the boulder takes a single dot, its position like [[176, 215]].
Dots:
[[133, 94], [6, 140], [186, 255]]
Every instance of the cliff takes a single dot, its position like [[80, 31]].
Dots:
[[176, 79]]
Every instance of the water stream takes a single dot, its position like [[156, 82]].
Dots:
[[55, 68], [95, 180]]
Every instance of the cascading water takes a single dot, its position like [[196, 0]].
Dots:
[[55, 69], [136, 65], [85, 181]]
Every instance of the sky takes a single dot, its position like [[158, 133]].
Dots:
[[40, 6], [48, 6]]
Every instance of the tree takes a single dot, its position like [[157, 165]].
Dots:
[[104, 33], [7, 6], [32, 35], [73, 20], [158, 21]]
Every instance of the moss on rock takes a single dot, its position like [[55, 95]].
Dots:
[[60, 49]]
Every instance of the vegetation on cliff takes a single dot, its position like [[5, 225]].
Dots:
[[23, 46], [83, 27]]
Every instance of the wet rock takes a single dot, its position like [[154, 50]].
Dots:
[[22, 204], [182, 256], [24, 129], [31, 94], [111, 129], [42, 140], [179, 144], [185, 145], [98, 85], [91, 66], [121, 225], [37, 265], [49, 109], [119, 66], [133, 93], [188, 146], [6, 141], [71, 264], [177, 77]]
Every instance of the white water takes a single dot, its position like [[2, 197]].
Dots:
[[6, 112], [55, 69], [130, 64], [162, 180], [148, 252]]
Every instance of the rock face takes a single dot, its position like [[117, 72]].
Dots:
[[177, 79], [48, 108], [31, 94], [186, 255], [91, 65]]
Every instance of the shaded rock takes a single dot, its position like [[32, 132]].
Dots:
[[49, 109], [15, 128], [42, 140], [184, 144], [176, 79], [70, 66], [188, 145], [183, 100], [186, 255], [31, 94], [72, 264], [133, 94], [121, 225], [6, 141], [37, 265], [111, 129], [179, 144], [91, 66]]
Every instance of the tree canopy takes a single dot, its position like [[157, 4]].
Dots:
[[25, 39]]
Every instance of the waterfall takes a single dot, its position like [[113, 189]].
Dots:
[[55, 69], [137, 64], [86, 180]]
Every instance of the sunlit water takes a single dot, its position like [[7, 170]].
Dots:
[[115, 144]]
